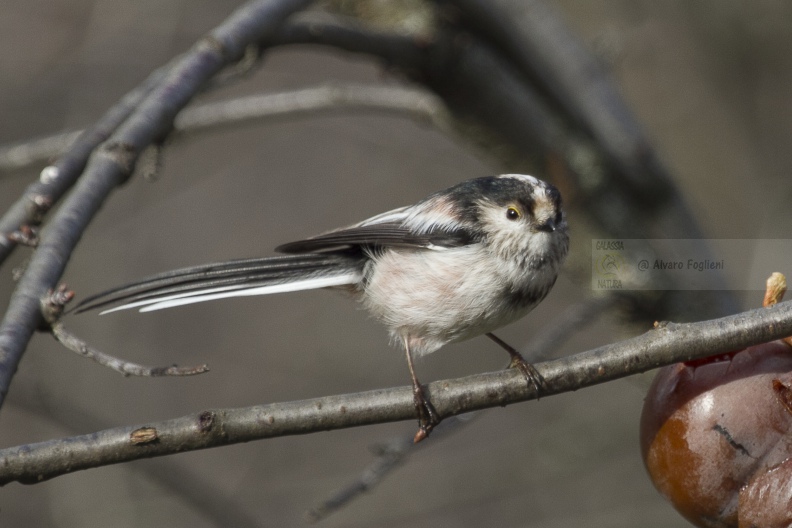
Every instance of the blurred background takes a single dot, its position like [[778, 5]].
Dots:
[[710, 82]]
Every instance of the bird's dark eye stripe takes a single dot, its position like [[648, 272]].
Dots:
[[555, 196]]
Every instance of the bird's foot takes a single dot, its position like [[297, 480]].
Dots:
[[532, 376], [530, 373], [428, 417]]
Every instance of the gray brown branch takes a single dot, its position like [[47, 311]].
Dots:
[[192, 487], [114, 162], [496, 94], [395, 452], [127, 368], [410, 102], [416, 103], [56, 179], [505, 102], [21, 155], [667, 343]]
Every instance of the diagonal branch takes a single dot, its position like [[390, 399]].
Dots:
[[535, 38], [21, 155], [497, 102], [667, 343], [58, 178], [113, 163]]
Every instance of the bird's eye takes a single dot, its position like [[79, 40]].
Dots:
[[512, 213]]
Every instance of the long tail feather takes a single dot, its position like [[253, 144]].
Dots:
[[258, 276]]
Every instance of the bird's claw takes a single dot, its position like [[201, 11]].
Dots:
[[532, 376], [428, 417]]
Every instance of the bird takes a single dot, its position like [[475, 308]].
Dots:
[[460, 263]]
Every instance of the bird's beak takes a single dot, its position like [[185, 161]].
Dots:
[[548, 227]]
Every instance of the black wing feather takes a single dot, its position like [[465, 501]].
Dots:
[[386, 234]]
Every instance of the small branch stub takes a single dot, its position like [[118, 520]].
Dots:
[[26, 236], [776, 288], [53, 304], [774, 294], [38, 206], [144, 435]]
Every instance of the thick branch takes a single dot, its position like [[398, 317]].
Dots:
[[666, 344], [408, 53], [110, 166], [194, 489], [396, 451], [538, 41], [490, 89]]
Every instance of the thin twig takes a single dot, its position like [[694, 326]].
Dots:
[[21, 155], [127, 368], [110, 166], [333, 97], [395, 452], [52, 307], [390, 455], [667, 343], [411, 102]]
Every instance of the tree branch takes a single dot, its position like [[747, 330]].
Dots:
[[667, 343], [537, 40], [56, 179], [412, 102], [395, 452], [408, 53], [113, 164], [498, 104], [127, 368], [416, 103], [195, 490], [21, 155]]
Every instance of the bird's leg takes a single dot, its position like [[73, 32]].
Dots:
[[427, 415], [532, 375]]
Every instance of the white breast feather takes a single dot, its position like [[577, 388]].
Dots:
[[452, 296]]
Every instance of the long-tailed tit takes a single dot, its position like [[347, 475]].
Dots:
[[459, 263]]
